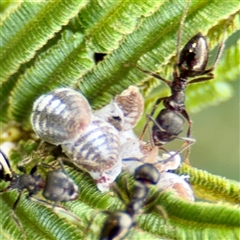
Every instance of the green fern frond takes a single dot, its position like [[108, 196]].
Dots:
[[28, 28], [60, 66]]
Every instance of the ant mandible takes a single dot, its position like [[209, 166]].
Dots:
[[191, 62]]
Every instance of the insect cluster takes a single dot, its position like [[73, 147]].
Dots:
[[103, 143], [92, 140]]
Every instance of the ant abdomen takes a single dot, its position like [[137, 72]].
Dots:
[[60, 115], [167, 126], [59, 187], [194, 56]]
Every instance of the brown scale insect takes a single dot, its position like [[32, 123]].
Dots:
[[124, 111]]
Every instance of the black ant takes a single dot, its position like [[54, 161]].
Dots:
[[119, 223], [190, 62], [57, 187]]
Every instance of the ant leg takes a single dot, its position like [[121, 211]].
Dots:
[[95, 213], [14, 216], [157, 208], [5, 189], [169, 83], [201, 79], [217, 58], [158, 101], [150, 134], [61, 164], [22, 169], [55, 208], [186, 146], [117, 190], [34, 169], [180, 34], [186, 116]]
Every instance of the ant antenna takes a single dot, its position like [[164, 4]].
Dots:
[[179, 36]]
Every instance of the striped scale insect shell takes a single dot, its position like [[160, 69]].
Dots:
[[97, 151], [124, 111], [60, 115]]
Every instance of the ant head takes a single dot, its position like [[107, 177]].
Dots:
[[59, 187], [117, 225], [147, 173], [194, 56]]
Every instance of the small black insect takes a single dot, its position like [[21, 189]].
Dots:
[[190, 63], [57, 187], [118, 223]]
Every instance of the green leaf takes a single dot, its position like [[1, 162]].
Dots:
[[211, 187], [112, 21], [28, 28], [204, 217]]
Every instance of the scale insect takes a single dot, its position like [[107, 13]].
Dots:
[[124, 111], [57, 186], [63, 117], [191, 63]]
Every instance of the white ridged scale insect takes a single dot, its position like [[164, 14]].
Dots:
[[60, 116], [63, 117]]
